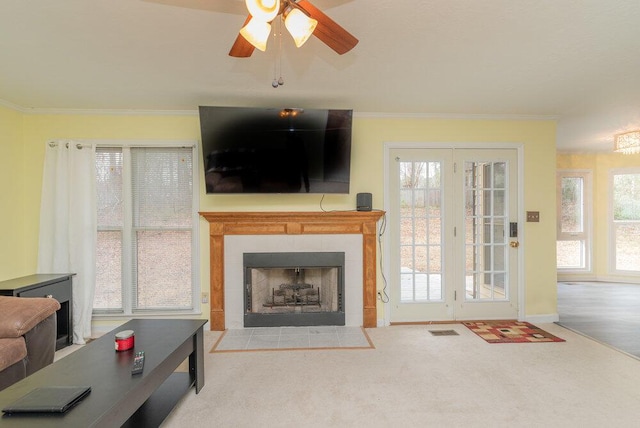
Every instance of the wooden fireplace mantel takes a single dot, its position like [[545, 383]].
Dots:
[[292, 223]]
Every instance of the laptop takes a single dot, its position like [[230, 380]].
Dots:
[[50, 399]]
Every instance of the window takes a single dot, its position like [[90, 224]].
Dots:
[[625, 227], [573, 234], [146, 247]]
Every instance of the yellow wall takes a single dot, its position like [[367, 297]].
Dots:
[[13, 248], [600, 165], [369, 136]]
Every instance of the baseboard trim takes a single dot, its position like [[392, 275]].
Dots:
[[542, 319], [606, 278]]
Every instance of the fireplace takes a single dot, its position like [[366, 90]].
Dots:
[[294, 289], [276, 228]]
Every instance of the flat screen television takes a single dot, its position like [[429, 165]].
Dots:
[[276, 150]]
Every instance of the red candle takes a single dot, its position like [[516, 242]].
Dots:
[[125, 340]]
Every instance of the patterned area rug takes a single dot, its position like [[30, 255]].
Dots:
[[510, 332]]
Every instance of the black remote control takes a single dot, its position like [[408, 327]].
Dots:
[[138, 363]]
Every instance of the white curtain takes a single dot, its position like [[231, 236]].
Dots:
[[68, 228]]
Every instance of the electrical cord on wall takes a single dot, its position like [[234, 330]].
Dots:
[[330, 211], [384, 297], [321, 208]]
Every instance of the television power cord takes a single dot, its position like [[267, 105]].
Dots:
[[382, 294]]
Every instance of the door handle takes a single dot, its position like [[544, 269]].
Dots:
[[514, 244]]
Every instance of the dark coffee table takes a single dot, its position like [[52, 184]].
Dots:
[[117, 398]]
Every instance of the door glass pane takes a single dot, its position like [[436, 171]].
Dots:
[[435, 176], [421, 228], [499, 258], [486, 221], [406, 284], [435, 286], [499, 175], [435, 258], [499, 285], [435, 196], [420, 231], [406, 258], [421, 287], [406, 197], [499, 231], [498, 202], [421, 258]]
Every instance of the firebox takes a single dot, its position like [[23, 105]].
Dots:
[[293, 289]]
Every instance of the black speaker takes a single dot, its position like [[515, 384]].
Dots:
[[363, 201]]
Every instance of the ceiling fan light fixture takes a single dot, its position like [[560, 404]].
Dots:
[[300, 26], [264, 10], [627, 142], [257, 33]]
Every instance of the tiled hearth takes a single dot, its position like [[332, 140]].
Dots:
[[287, 338]]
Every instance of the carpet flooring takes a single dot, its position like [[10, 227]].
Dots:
[[415, 379]]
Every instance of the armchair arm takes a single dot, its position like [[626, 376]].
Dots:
[[21, 314]]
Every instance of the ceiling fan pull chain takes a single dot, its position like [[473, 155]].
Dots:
[[278, 60], [280, 80], [275, 62]]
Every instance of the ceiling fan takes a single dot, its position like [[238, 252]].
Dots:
[[301, 18]]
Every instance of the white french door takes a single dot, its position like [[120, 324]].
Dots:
[[451, 213]]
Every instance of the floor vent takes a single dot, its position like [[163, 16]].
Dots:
[[443, 332]]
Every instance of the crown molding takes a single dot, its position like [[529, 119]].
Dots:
[[465, 116], [369, 115], [11, 106], [107, 112], [114, 112]]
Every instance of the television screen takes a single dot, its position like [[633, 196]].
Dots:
[[276, 150]]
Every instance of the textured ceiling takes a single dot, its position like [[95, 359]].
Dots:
[[574, 60]]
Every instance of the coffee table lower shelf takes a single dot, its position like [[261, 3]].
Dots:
[[162, 402]]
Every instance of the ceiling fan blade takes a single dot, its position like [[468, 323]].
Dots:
[[332, 34], [241, 47]]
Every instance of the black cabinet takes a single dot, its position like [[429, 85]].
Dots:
[[57, 286]]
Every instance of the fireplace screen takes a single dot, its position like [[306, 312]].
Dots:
[[294, 289]]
